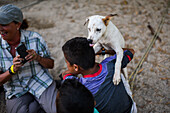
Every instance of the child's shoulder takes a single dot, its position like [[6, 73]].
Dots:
[[108, 59], [111, 58]]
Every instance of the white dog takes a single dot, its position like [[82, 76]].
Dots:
[[104, 33]]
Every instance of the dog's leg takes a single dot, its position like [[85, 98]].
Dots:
[[125, 73], [97, 47], [105, 56], [119, 53]]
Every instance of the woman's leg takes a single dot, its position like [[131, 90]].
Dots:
[[23, 104], [48, 99]]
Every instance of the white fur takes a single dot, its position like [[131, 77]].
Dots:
[[110, 38]]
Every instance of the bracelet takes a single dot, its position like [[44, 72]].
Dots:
[[11, 70]]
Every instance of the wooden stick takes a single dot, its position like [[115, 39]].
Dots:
[[31, 4], [153, 31], [134, 73]]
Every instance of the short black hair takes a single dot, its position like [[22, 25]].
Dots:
[[74, 97], [77, 51]]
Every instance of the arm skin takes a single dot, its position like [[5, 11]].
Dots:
[[4, 77], [112, 52], [46, 62]]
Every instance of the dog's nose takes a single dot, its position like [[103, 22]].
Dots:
[[90, 41]]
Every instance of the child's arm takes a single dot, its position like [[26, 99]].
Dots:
[[112, 52], [127, 56]]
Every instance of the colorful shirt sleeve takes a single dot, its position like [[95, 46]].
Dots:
[[127, 57]]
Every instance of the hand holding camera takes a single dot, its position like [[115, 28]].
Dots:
[[32, 55], [26, 55]]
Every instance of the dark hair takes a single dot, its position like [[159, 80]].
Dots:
[[77, 51], [74, 97], [24, 24]]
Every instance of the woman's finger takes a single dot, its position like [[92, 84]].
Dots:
[[31, 56]]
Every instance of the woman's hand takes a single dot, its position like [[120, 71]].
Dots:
[[45, 62], [32, 55], [5, 76], [17, 62]]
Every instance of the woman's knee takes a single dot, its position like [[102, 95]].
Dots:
[[23, 104]]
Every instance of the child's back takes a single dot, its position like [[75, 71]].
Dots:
[[111, 98]]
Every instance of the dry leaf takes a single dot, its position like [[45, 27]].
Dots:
[[140, 70], [166, 78]]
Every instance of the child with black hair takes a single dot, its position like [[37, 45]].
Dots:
[[110, 98], [74, 97]]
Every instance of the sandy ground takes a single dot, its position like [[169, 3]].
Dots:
[[58, 21]]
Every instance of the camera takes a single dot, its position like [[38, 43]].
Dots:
[[22, 52]]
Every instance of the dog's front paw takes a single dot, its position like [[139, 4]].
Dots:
[[116, 79]]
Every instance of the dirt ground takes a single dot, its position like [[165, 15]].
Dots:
[[60, 20]]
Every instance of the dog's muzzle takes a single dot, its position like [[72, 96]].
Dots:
[[90, 41]]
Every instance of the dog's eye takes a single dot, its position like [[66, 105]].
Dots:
[[98, 29], [89, 29]]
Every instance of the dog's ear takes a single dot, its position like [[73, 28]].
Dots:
[[86, 22], [108, 18]]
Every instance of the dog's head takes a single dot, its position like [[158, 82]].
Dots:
[[97, 26]]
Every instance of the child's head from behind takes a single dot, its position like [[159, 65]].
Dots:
[[77, 51], [73, 97]]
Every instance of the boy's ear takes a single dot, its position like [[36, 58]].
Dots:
[[76, 67]]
